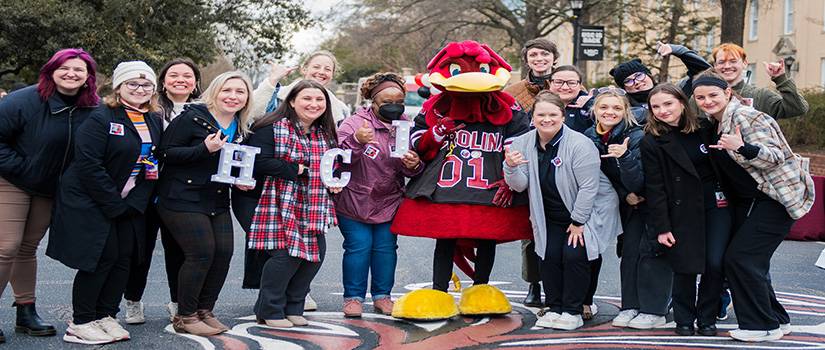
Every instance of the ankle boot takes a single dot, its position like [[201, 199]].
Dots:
[[30, 323], [193, 325], [209, 318], [533, 298]]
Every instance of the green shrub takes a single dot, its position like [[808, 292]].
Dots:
[[807, 133]]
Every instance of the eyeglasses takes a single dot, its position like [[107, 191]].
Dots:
[[614, 90], [570, 83], [634, 79], [149, 87]]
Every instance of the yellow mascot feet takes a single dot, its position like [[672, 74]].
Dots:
[[425, 305], [483, 300]]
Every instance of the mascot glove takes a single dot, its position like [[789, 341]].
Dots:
[[445, 127], [504, 195]]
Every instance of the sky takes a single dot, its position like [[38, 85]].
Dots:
[[307, 40]]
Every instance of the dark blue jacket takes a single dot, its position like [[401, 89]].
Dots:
[[36, 139]]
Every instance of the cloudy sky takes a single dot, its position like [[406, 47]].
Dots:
[[308, 40]]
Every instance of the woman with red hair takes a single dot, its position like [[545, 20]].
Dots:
[[37, 126]]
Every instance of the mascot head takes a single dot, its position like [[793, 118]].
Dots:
[[468, 67]]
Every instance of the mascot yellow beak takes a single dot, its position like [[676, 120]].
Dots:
[[472, 81]]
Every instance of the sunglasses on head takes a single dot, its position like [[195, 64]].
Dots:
[[612, 89]]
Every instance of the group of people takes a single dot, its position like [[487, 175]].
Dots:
[[655, 144], [105, 175]]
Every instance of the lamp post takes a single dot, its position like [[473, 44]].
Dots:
[[576, 6]]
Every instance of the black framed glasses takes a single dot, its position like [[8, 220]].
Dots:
[[634, 79], [570, 83], [148, 87]]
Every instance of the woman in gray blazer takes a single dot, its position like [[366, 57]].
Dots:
[[559, 168]]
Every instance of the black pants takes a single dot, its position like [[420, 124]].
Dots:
[[686, 307], [97, 294], [172, 254], [655, 278], [634, 230], [761, 227], [285, 283], [595, 269], [565, 272], [206, 242], [530, 262], [443, 262]]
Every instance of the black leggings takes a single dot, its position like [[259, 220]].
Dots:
[[443, 262], [97, 294], [206, 242], [172, 254]]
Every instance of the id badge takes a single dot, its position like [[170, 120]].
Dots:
[[150, 167], [721, 200]]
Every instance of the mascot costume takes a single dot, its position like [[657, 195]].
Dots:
[[460, 198]]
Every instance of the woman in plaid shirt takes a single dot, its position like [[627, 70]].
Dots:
[[770, 188], [293, 215]]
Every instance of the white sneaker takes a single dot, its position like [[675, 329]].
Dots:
[[568, 322], [134, 312], [547, 319], [113, 328], [309, 304], [624, 317], [756, 336], [88, 333], [172, 308], [594, 309], [786, 328], [647, 321]]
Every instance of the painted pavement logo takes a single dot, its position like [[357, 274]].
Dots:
[[330, 330]]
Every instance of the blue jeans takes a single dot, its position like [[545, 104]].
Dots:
[[368, 247]]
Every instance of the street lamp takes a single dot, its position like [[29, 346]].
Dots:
[[576, 6]]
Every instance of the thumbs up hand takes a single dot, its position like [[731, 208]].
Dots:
[[617, 150], [365, 134], [730, 142]]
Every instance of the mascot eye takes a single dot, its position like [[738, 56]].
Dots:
[[484, 68], [455, 69]]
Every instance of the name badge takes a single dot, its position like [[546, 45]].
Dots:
[[556, 161], [371, 151], [116, 129]]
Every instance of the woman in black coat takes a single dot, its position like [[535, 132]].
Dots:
[[37, 127], [98, 214], [688, 212]]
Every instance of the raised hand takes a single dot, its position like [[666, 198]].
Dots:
[[365, 134], [730, 142], [663, 49], [278, 72], [617, 150], [513, 158], [775, 69], [446, 126], [214, 142]]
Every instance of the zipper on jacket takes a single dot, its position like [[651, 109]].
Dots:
[[68, 144]]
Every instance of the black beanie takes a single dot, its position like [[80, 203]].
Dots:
[[626, 69]]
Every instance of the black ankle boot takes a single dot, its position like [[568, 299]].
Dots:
[[30, 323], [533, 298]]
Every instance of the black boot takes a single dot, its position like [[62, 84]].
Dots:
[[30, 323], [533, 298], [2, 337]]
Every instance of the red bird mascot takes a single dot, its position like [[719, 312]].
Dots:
[[461, 196]]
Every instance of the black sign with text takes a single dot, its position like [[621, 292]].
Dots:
[[591, 43]]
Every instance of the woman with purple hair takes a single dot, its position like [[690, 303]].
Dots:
[[37, 126]]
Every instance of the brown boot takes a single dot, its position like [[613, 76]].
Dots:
[[209, 318], [193, 325]]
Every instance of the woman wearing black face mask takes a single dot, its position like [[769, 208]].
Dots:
[[367, 205]]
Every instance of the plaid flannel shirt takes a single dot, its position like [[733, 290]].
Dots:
[[290, 214], [781, 174]]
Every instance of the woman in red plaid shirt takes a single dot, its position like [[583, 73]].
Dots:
[[292, 216]]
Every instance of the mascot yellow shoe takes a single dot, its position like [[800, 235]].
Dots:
[[425, 305], [483, 300]]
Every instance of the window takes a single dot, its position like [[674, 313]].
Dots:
[[822, 73], [789, 16], [750, 74], [753, 21]]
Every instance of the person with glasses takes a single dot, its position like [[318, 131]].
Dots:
[[98, 221], [37, 132], [195, 208], [637, 80], [730, 61], [538, 57]]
